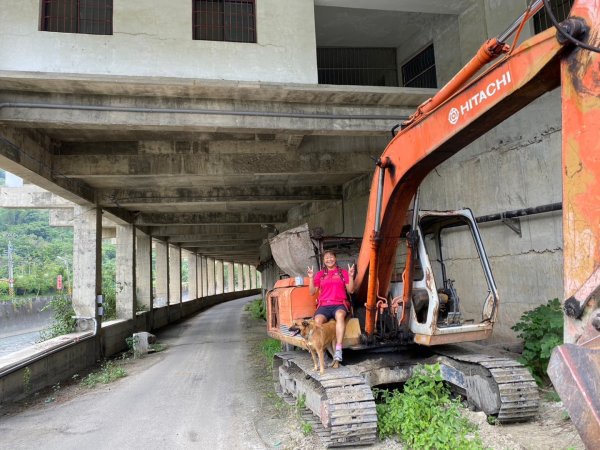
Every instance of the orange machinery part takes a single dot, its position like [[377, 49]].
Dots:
[[295, 302]]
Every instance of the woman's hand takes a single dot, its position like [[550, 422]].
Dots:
[[310, 272], [351, 270]]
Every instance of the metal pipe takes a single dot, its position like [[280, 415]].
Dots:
[[535, 7], [520, 212]]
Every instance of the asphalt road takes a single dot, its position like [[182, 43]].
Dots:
[[194, 396]]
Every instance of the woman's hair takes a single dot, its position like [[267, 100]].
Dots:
[[331, 252]]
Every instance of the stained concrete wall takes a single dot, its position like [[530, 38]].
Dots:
[[154, 38]]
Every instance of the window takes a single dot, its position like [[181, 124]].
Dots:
[[357, 66], [560, 9], [77, 16], [420, 70], [224, 20]]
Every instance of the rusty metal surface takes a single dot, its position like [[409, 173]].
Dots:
[[293, 251], [575, 373]]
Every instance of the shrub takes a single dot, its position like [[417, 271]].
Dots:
[[424, 416], [541, 330], [269, 347], [257, 309], [108, 373], [62, 317]]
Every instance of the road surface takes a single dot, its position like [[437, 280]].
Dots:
[[194, 396]]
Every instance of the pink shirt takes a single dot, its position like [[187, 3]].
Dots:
[[332, 288]]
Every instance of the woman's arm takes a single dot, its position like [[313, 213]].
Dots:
[[311, 282]]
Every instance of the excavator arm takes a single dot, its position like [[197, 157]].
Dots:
[[464, 111]]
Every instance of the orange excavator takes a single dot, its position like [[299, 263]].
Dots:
[[406, 305]]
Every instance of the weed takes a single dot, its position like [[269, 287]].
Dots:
[[566, 415], [541, 330], [301, 402], [157, 347], [425, 416], [257, 309], [27, 380], [552, 396], [269, 347], [306, 428], [62, 317], [108, 373]]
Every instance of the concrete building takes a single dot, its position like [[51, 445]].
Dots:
[[199, 125]]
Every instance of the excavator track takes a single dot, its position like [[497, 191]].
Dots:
[[341, 404], [513, 396], [341, 408]]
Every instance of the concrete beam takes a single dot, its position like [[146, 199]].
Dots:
[[209, 217], [417, 6], [66, 218], [213, 194], [208, 238], [217, 242], [31, 196], [28, 156], [175, 231], [213, 166], [194, 115]]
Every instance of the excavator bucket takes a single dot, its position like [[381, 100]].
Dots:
[[575, 374], [293, 251]]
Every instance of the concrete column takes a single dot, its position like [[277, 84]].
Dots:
[[219, 281], [204, 277], [239, 277], [252, 277], [161, 297], [246, 276], [192, 276], [200, 281], [87, 260], [210, 272], [258, 279], [174, 274], [230, 280], [143, 270], [125, 272]]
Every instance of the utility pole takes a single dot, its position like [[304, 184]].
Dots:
[[11, 279]]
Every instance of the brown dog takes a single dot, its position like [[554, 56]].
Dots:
[[318, 339]]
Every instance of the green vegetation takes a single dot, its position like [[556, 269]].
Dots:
[[37, 250], [424, 416], [257, 309], [541, 330], [27, 380], [62, 317], [108, 373], [269, 347]]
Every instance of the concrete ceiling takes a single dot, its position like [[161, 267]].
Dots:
[[205, 163]]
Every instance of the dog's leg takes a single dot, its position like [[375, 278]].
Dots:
[[314, 358], [321, 353]]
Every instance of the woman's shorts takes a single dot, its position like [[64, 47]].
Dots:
[[329, 311]]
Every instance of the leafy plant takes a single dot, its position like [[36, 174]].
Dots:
[[108, 373], [269, 347], [424, 416], [257, 309], [62, 317], [541, 330], [306, 428]]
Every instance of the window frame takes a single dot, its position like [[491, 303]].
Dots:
[[249, 33], [108, 6], [412, 59]]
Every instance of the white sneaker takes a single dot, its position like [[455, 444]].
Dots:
[[338, 355]]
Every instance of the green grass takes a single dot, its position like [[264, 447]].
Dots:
[[268, 348], [257, 309], [108, 373]]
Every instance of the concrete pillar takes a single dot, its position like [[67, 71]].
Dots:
[[161, 297], [246, 276], [143, 271], [239, 277], [219, 280], [87, 260], [174, 274], [125, 272], [252, 277], [204, 276], [210, 272], [192, 276], [230, 280], [200, 281]]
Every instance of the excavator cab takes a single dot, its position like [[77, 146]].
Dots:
[[436, 313]]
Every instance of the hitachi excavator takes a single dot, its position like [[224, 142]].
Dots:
[[406, 306]]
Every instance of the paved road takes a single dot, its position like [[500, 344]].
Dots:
[[194, 397]]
